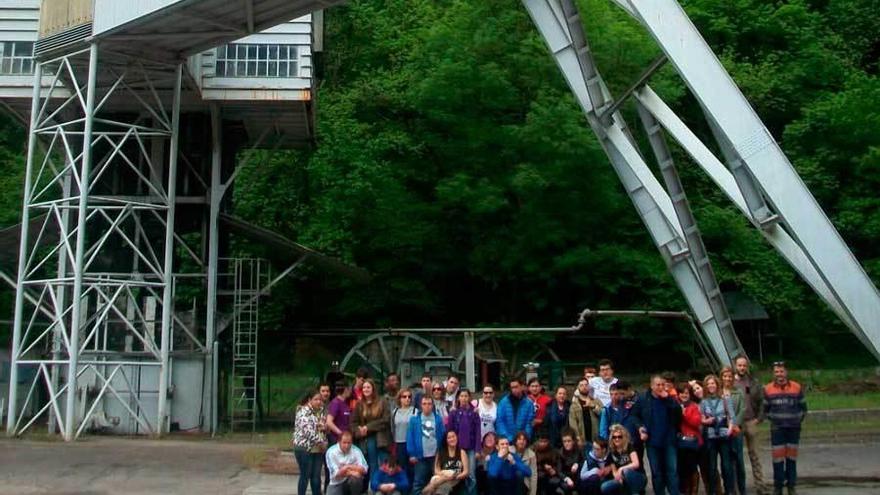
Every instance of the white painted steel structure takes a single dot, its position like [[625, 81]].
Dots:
[[159, 55], [104, 149], [758, 177]]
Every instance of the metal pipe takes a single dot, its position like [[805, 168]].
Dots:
[[215, 373], [20, 288], [213, 253], [469, 361], [79, 267], [168, 293]]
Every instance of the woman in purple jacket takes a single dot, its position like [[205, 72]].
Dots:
[[465, 421]]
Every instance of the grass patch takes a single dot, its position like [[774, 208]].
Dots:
[[818, 401]]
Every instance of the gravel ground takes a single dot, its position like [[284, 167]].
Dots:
[[105, 466]]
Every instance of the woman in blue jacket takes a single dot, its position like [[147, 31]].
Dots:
[[506, 470]]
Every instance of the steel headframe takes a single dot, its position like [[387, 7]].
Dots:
[[77, 314], [757, 178]]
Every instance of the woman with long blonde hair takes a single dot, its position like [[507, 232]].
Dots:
[[624, 464], [371, 425], [718, 422]]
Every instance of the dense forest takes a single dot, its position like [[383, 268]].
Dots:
[[454, 165]]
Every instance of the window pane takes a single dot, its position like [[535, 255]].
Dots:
[[282, 69], [221, 68], [241, 69], [252, 52], [263, 52], [273, 52], [252, 68], [273, 69], [262, 70]]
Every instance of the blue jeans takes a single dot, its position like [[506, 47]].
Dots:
[[784, 443], [634, 481], [423, 471], [310, 467], [375, 456], [403, 461], [664, 469], [471, 482], [739, 463], [720, 446]]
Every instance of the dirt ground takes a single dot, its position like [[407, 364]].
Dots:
[[105, 466]]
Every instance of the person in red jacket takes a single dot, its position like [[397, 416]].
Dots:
[[541, 401], [690, 439]]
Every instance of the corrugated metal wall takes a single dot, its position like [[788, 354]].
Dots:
[[58, 15], [19, 20]]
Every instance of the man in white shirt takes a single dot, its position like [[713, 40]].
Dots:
[[601, 385], [347, 467]]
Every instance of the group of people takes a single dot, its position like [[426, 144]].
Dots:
[[436, 438]]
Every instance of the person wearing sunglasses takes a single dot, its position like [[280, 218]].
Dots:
[[786, 407], [424, 437], [438, 393], [626, 476], [400, 418], [487, 409]]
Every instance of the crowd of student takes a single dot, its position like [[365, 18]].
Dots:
[[436, 438]]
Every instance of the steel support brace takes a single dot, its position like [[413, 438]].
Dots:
[[78, 266], [20, 291], [705, 159], [560, 25], [691, 231], [739, 125], [168, 289], [216, 197], [470, 369]]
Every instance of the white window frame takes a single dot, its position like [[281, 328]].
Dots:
[[16, 58], [257, 60]]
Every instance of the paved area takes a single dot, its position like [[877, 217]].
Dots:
[[111, 466]]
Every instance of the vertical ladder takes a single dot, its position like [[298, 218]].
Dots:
[[247, 275]]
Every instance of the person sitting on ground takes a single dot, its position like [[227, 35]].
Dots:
[[596, 469], [570, 460], [450, 467], [390, 478], [549, 466], [521, 443], [626, 476], [487, 448], [506, 470], [347, 467]]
